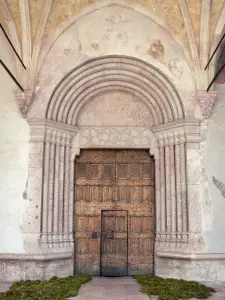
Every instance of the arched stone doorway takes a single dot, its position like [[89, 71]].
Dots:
[[168, 135]]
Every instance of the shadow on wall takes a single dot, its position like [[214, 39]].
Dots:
[[220, 62], [219, 185]]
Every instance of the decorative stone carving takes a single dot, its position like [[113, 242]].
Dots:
[[24, 99], [206, 101], [115, 137], [170, 133], [115, 108]]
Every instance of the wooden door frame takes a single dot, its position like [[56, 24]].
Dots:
[[101, 219]]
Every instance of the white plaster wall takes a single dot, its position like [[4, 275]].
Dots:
[[13, 159], [214, 217]]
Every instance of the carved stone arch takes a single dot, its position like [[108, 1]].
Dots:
[[57, 140], [144, 79]]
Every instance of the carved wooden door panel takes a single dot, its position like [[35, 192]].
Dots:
[[94, 191], [135, 192], [114, 243], [114, 180]]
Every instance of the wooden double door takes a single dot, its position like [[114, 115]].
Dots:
[[114, 212]]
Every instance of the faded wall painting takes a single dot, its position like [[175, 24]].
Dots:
[[157, 50], [127, 108], [115, 31]]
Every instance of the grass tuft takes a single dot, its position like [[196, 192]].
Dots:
[[53, 289], [173, 289]]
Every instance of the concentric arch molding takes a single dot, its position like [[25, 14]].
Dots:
[[115, 73]]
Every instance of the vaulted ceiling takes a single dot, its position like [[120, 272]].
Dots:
[[61, 11], [31, 24]]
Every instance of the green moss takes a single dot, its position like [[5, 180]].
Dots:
[[53, 289], [173, 289]]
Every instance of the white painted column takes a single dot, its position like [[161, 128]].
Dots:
[[66, 190], [56, 191], [51, 187], [155, 152], [71, 198], [61, 188], [46, 187], [183, 187]]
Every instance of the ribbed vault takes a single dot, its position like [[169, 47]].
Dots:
[[115, 73]]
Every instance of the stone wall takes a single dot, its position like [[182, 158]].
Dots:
[[13, 159], [204, 269], [214, 205], [95, 35]]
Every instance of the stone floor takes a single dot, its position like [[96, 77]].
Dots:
[[101, 288], [125, 288], [4, 286]]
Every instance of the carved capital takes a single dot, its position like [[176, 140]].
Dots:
[[24, 99], [206, 102]]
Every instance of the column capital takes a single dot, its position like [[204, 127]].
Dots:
[[206, 102], [182, 139], [166, 140], [161, 142], [24, 100], [171, 138], [176, 138]]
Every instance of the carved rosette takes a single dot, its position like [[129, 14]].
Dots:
[[206, 102]]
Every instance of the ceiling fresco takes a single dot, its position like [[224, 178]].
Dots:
[[36, 7], [168, 11], [181, 19]]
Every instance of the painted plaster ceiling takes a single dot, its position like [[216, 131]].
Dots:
[[61, 11]]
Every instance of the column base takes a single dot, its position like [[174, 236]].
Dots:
[[197, 267], [15, 267]]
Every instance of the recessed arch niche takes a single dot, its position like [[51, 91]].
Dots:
[[169, 137]]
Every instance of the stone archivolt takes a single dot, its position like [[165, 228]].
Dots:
[[59, 141], [115, 73]]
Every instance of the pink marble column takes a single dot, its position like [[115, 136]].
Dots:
[[61, 188], [157, 196], [178, 186], [162, 188], [168, 188], [173, 189], [66, 190]]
